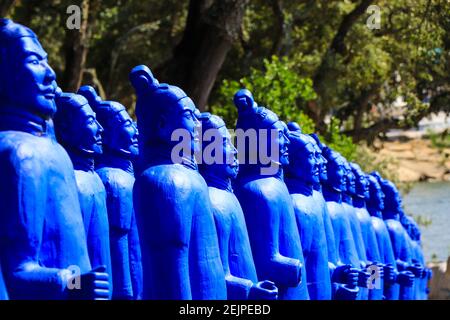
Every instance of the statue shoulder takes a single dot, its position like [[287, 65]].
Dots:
[[172, 179], [115, 178], [21, 149]]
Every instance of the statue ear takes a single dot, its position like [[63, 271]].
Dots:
[[143, 80], [91, 95]]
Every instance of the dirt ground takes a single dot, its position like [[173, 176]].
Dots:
[[416, 160]]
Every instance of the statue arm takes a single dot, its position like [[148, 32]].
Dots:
[[119, 225], [164, 209], [24, 199], [237, 288], [331, 244], [134, 249], [263, 223]]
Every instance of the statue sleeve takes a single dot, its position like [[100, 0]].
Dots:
[[135, 259], [237, 288], [24, 198], [164, 209], [119, 226], [263, 222]]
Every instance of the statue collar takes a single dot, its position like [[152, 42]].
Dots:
[[359, 202], [111, 160], [213, 180], [317, 187], [299, 186], [253, 171], [16, 119], [388, 214], [332, 194], [81, 162], [158, 156], [347, 198], [375, 212]]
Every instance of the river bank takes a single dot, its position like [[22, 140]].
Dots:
[[415, 160]]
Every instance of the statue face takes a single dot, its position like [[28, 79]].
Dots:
[[321, 163], [304, 164], [282, 141], [87, 132], [336, 172], [125, 135], [230, 153], [183, 117], [351, 185], [379, 197], [229, 166], [362, 185], [31, 85]]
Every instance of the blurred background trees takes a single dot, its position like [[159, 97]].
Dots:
[[312, 61]]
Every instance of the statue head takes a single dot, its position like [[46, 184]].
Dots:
[[224, 165], [253, 117], [244, 101], [321, 161], [376, 195], [26, 81], [335, 169], [303, 164], [76, 126], [392, 201], [294, 126], [120, 134], [162, 109], [349, 179], [361, 183]]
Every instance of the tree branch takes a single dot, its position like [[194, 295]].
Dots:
[[5, 6]]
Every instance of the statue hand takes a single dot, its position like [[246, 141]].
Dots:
[[389, 273], [416, 269], [346, 274], [347, 293], [405, 278], [94, 285], [429, 273], [376, 266], [363, 277], [263, 290]]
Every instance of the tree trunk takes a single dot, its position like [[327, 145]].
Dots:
[[5, 6], [76, 49], [337, 46], [211, 28]]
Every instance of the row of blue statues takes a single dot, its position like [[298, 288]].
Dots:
[[75, 224]]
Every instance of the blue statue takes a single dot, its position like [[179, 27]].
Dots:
[[80, 134], [301, 175], [43, 244], [344, 278], [181, 256], [265, 200], [235, 250], [417, 257], [392, 278], [415, 234], [399, 237], [348, 191], [3, 291], [368, 232], [115, 169], [332, 190]]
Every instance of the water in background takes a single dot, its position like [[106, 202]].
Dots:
[[432, 201]]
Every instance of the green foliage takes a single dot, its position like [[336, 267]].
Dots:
[[340, 142], [279, 87], [439, 141], [276, 86]]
